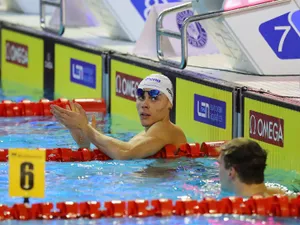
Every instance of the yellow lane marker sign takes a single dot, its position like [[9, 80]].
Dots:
[[27, 173]]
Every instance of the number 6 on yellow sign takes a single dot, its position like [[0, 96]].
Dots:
[[27, 177], [27, 173]]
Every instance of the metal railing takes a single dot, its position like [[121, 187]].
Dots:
[[182, 35], [61, 29]]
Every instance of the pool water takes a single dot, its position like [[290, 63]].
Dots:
[[121, 180]]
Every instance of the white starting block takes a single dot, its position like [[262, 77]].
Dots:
[[255, 36]]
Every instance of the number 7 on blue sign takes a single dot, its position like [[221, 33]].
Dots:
[[286, 30], [283, 35]]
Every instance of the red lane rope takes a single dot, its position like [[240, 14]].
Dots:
[[9, 108], [280, 206], [193, 150]]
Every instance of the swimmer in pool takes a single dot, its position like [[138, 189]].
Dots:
[[242, 165], [154, 103]]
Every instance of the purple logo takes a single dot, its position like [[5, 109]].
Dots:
[[83, 73], [210, 111], [144, 6], [196, 35], [153, 79], [283, 35]]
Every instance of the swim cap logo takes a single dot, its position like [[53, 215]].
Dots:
[[170, 92], [153, 79], [196, 35]]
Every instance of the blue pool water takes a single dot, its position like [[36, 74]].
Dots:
[[121, 180]]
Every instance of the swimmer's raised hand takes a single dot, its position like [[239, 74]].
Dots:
[[65, 118], [74, 108], [75, 118]]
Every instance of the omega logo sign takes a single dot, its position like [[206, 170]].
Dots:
[[126, 86], [17, 53], [266, 128]]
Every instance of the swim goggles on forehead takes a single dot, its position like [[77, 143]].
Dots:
[[152, 93]]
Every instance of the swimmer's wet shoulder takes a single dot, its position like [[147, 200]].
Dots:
[[274, 191], [271, 191], [280, 191]]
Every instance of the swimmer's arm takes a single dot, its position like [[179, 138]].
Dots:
[[81, 139], [116, 149], [137, 136]]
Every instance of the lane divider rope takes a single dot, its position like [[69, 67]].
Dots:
[[280, 206], [193, 150], [9, 108]]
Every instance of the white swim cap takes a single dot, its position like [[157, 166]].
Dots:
[[158, 82]]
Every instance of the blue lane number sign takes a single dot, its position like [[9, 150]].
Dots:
[[283, 35]]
